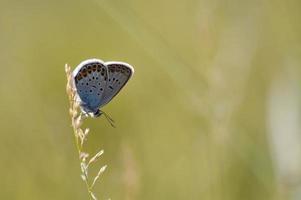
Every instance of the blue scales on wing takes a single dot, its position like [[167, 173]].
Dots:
[[90, 80]]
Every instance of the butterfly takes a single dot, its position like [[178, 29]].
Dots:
[[97, 83]]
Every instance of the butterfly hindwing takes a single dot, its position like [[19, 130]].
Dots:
[[90, 79], [118, 75]]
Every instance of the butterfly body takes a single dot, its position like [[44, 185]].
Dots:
[[97, 82]]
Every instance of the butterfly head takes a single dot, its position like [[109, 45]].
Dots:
[[97, 113]]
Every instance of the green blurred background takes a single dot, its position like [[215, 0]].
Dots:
[[212, 111]]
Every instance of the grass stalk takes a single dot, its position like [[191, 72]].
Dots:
[[80, 136]]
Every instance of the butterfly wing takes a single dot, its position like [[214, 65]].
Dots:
[[90, 78], [118, 75]]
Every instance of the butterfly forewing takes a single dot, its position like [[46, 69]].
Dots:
[[90, 80], [118, 75]]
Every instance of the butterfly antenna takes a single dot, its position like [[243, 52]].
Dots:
[[110, 120]]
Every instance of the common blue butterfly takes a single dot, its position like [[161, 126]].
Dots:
[[97, 83]]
